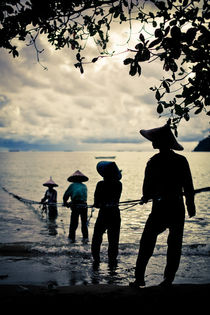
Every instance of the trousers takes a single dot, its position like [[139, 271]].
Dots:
[[110, 223], [76, 212], [153, 228]]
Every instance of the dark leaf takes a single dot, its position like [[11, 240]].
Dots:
[[141, 37], [155, 42], [133, 69], [167, 30], [166, 86], [81, 69], [160, 5], [173, 66], [94, 59], [139, 46], [125, 3], [139, 69], [15, 53], [154, 24], [160, 108], [186, 116], [157, 95], [112, 10], [178, 110], [175, 32], [190, 35], [198, 111], [158, 33], [77, 65], [128, 61], [151, 14]]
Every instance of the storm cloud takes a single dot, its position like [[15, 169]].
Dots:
[[59, 108]]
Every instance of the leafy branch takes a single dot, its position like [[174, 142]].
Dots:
[[180, 41]]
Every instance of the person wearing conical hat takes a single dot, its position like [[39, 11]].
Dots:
[[77, 192], [106, 198], [50, 197], [167, 178]]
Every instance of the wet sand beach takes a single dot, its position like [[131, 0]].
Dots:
[[190, 298]]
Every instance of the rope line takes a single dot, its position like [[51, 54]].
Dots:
[[128, 203], [125, 204], [28, 201]]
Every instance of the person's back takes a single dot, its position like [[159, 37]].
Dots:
[[167, 177], [107, 194], [77, 192], [50, 195]]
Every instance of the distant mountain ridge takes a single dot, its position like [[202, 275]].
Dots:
[[203, 145]]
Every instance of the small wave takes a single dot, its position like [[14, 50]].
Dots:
[[40, 249], [83, 251], [187, 250], [68, 250], [196, 249]]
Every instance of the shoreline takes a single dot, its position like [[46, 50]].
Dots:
[[106, 297]]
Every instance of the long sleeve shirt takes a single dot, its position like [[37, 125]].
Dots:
[[50, 196], [77, 192], [168, 176], [107, 193]]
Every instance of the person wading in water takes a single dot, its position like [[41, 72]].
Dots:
[[77, 192], [51, 198], [167, 178], [106, 197]]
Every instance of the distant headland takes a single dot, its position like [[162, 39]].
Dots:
[[203, 145]]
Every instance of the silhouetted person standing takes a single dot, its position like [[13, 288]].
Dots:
[[167, 178], [106, 197], [51, 198], [77, 192]]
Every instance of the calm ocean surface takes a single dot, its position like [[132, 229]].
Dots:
[[35, 250]]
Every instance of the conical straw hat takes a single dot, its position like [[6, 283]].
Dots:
[[50, 182], [162, 135], [77, 177]]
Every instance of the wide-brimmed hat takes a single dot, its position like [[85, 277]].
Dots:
[[50, 183], [77, 177], [109, 170], [162, 135]]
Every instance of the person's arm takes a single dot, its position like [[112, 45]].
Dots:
[[44, 198], [118, 191], [85, 194], [97, 195], [147, 188], [188, 189], [66, 196]]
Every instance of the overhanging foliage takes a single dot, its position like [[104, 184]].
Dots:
[[181, 41]]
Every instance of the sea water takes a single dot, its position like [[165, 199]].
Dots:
[[35, 249]]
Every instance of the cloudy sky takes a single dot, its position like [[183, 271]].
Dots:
[[60, 109]]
